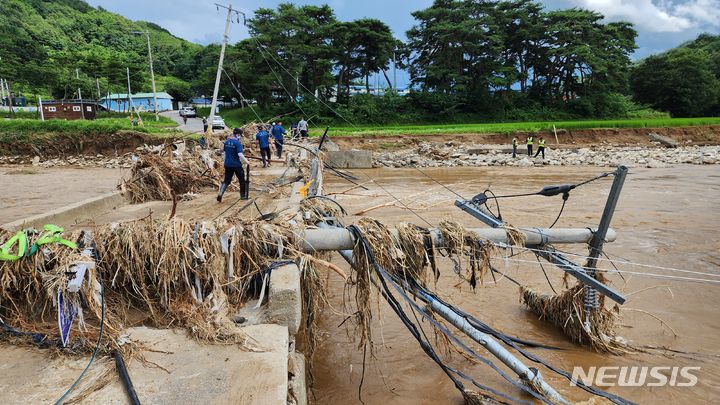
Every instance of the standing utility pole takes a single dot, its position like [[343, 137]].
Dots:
[[2, 92], [228, 20], [97, 82], [394, 72], [82, 110], [132, 106], [152, 72]]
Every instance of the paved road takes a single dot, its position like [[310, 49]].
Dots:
[[193, 124]]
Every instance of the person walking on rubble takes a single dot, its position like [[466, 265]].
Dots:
[[530, 140], [263, 139], [278, 133], [541, 147], [234, 159], [514, 145], [303, 127]]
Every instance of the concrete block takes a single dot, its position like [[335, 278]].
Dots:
[[297, 389], [71, 214], [285, 301], [349, 159]]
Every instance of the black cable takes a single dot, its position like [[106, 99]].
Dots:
[[342, 209], [565, 198], [125, 377], [97, 346], [545, 273]]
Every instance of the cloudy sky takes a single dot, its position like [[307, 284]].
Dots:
[[661, 24]]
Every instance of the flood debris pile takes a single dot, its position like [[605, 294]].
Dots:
[[154, 177], [160, 273], [567, 312]]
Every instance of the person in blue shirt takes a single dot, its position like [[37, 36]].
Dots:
[[278, 133], [234, 159], [263, 139]]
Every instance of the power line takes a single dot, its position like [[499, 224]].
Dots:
[[639, 274]]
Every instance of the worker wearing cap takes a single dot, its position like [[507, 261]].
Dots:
[[234, 159], [530, 140], [514, 145], [263, 139], [278, 133], [541, 147]]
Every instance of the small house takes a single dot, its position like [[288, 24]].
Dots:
[[144, 102], [69, 109]]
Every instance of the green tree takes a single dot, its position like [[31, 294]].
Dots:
[[681, 82]]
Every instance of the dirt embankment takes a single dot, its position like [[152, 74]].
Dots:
[[61, 145], [695, 135]]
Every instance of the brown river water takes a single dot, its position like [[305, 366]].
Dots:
[[665, 218]]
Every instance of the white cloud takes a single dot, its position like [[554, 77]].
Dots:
[[658, 16], [702, 11]]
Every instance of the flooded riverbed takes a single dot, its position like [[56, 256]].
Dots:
[[666, 219]]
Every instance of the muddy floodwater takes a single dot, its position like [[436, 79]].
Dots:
[[666, 220]]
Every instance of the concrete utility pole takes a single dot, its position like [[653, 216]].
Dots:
[[82, 110], [152, 72], [9, 96], [228, 20], [132, 106], [97, 82], [40, 108], [2, 91]]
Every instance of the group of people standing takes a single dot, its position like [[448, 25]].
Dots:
[[530, 141], [235, 161]]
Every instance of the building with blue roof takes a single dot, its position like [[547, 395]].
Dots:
[[142, 101]]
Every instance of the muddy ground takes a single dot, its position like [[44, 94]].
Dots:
[[700, 135]]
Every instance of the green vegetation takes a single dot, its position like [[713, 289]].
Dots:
[[469, 61], [43, 42], [22, 128], [510, 127], [684, 81]]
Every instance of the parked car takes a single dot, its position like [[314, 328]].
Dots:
[[218, 123], [188, 112]]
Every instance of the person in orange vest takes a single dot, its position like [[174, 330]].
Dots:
[[541, 147], [530, 140]]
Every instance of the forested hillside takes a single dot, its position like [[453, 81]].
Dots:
[[684, 81], [43, 42], [468, 61]]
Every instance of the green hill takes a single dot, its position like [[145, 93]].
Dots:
[[42, 43]]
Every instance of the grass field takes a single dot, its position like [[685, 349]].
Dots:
[[510, 127], [20, 128]]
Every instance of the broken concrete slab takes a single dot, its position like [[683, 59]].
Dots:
[[663, 140], [196, 373], [349, 159], [284, 301]]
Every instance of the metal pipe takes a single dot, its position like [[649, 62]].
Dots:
[[312, 240], [530, 376]]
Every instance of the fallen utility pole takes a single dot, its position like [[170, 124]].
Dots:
[[312, 240], [531, 377], [598, 240]]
